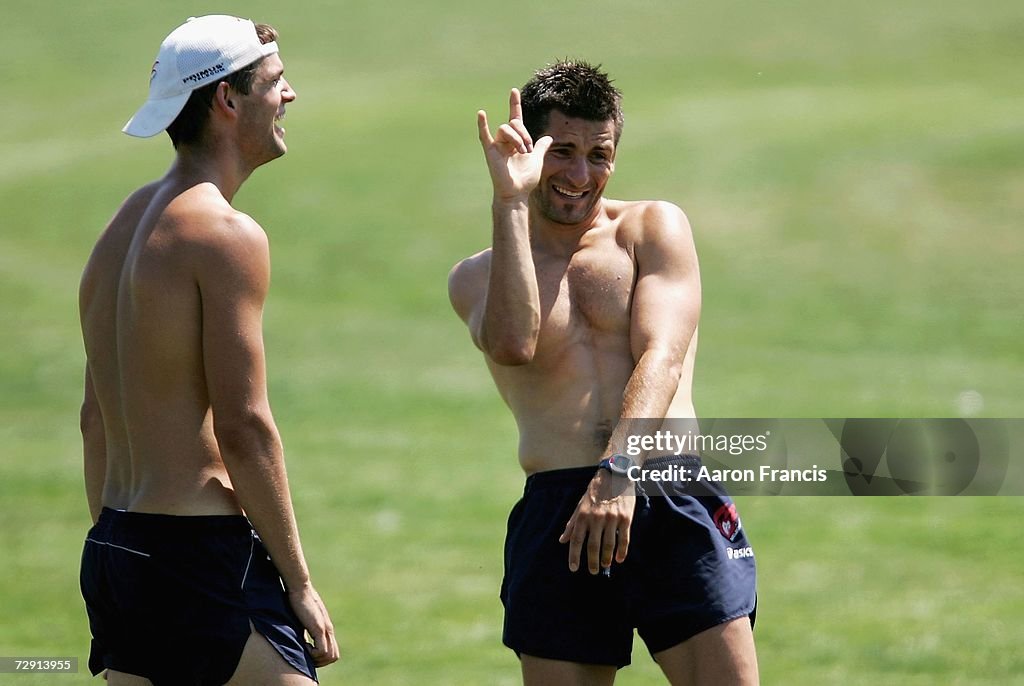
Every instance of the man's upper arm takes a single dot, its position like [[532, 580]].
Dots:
[[667, 296], [234, 277]]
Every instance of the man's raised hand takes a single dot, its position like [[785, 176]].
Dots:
[[513, 159]]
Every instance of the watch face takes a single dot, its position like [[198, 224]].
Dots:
[[620, 464]]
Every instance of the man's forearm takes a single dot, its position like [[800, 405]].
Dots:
[[647, 398], [255, 463], [511, 321]]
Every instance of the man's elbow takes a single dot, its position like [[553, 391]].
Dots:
[[90, 419], [245, 435], [669, 363], [512, 352]]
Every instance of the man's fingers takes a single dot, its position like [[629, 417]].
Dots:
[[540, 147], [575, 551], [518, 126], [574, 538], [485, 131], [515, 105], [594, 553], [510, 136], [317, 622], [325, 651], [321, 658], [331, 652], [623, 545], [608, 544], [564, 538]]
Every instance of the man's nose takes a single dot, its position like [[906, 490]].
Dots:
[[576, 171], [288, 93]]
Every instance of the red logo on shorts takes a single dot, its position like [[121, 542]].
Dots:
[[727, 521]]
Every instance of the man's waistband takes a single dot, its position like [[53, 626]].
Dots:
[[577, 476], [155, 523]]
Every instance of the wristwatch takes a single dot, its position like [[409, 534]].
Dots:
[[617, 464]]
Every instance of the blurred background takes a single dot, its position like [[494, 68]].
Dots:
[[853, 174]]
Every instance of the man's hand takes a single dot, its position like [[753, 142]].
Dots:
[[312, 613], [513, 159], [602, 519]]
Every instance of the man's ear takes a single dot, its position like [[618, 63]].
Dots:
[[224, 98]]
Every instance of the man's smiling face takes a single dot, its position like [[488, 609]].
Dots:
[[577, 167]]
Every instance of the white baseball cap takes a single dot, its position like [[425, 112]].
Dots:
[[199, 52]]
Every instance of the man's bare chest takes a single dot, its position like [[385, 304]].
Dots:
[[586, 294]]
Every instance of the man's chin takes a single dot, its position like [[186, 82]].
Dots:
[[569, 216]]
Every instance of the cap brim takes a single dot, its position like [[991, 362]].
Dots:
[[155, 116]]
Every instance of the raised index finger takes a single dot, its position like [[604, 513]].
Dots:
[[484, 130], [515, 105]]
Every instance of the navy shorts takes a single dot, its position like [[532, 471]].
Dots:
[[171, 598], [689, 568]]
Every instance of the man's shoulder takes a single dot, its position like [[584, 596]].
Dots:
[[640, 222], [201, 212], [641, 213], [202, 227], [199, 230]]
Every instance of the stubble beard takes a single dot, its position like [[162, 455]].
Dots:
[[555, 210]]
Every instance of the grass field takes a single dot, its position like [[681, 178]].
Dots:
[[853, 173]]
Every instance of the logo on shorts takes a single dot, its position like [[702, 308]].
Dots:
[[727, 521]]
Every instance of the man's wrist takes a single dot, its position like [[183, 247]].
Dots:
[[510, 203], [617, 465], [299, 588]]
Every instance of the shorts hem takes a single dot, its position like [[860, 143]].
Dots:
[[565, 656], [692, 630], [291, 660]]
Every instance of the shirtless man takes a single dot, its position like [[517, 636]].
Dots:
[[193, 531], [586, 311]]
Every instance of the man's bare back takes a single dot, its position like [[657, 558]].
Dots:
[[568, 399], [142, 320]]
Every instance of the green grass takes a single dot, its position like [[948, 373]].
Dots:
[[852, 173]]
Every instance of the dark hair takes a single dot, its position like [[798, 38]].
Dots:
[[190, 123], [574, 88]]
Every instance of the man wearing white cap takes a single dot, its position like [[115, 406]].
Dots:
[[193, 571]]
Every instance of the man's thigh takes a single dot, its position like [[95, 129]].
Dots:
[[550, 611], [262, 665], [115, 678], [723, 655], [539, 671]]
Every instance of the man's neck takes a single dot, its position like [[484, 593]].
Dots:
[[199, 163], [563, 239]]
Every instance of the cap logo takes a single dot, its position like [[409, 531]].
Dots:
[[202, 74], [152, 73]]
